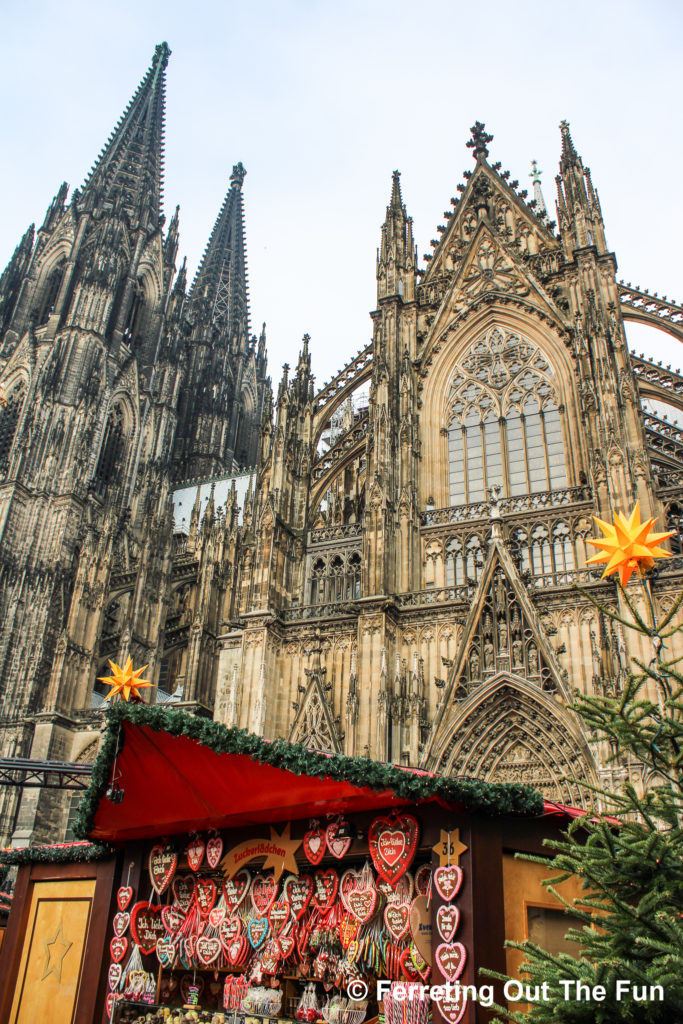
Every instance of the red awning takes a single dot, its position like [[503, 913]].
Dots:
[[173, 785]]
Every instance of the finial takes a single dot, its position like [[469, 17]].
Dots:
[[567, 144], [238, 175], [161, 54], [479, 141], [535, 173], [538, 194]]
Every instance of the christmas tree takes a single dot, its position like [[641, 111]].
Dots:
[[629, 856]]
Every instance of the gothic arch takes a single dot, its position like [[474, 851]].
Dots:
[[454, 343], [510, 731]]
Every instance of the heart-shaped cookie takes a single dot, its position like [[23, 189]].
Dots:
[[447, 921], [362, 904], [235, 889], [118, 947], [409, 969], [216, 916], [195, 853], [447, 881], [397, 919], [114, 976], [205, 895], [419, 963], [183, 891], [278, 916], [124, 896], [297, 891], [263, 893], [285, 945], [393, 842], [453, 1006], [258, 930], [450, 958], [237, 951], [214, 851], [325, 886], [121, 922], [162, 865], [337, 845], [229, 929], [146, 926], [208, 949], [314, 845], [400, 892], [166, 952], [173, 919]]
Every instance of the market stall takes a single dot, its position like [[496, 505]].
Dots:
[[259, 881]]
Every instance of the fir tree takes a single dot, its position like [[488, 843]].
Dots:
[[629, 858]]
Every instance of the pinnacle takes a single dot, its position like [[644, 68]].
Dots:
[[396, 201], [568, 151], [479, 141]]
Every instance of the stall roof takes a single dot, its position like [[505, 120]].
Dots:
[[178, 772]]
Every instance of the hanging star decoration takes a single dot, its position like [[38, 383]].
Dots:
[[628, 545], [125, 681]]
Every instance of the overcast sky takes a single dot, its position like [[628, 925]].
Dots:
[[322, 100]]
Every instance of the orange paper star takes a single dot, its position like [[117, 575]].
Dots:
[[124, 680], [628, 545]]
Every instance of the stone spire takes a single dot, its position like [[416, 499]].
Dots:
[[129, 170], [397, 255], [578, 206], [538, 193], [220, 293]]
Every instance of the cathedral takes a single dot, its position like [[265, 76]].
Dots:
[[392, 565]]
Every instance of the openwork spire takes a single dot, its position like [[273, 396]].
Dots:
[[535, 176], [129, 170], [479, 141], [220, 285]]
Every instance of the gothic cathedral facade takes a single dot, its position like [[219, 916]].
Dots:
[[383, 566]]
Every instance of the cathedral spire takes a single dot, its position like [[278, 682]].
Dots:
[[220, 289], [396, 256], [578, 206], [538, 192], [129, 170]]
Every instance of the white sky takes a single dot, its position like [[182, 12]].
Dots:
[[322, 100]]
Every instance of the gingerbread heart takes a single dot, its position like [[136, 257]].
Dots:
[[214, 851], [397, 919], [337, 846], [173, 919], [286, 946], [258, 930], [114, 976], [298, 891], [195, 853], [393, 842], [183, 891], [208, 949], [216, 916], [162, 865], [325, 886], [235, 889], [117, 948], [146, 926], [263, 893], [419, 963], [447, 881], [121, 922], [205, 894], [278, 916], [237, 951], [270, 959], [362, 904], [314, 845], [423, 877], [350, 880], [453, 1006], [410, 972], [400, 892], [450, 958], [110, 1003], [229, 929], [447, 921], [124, 896], [166, 952]]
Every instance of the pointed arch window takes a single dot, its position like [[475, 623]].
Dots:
[[50, 291], [505, 423], [9, 419], [134, 319], [112, 452]]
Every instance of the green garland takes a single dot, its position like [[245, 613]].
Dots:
[[478, 796], [56, 854]]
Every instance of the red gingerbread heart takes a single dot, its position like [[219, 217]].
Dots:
[[118, 947], [263, 893], [236, 888], [121, 922], [208, 949], [173, 919], [166, 952], [237, 951], [229, 929], [453, 1006], [278, 916], [124, 896], [393, 842], [286, 945], [114, 976], [205, 894], [146, 926], [325, 886], [409, 969], [216, 916], [195, 853], [298, 891], [314, 845]]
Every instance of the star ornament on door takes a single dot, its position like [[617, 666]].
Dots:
[[55, 951]]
